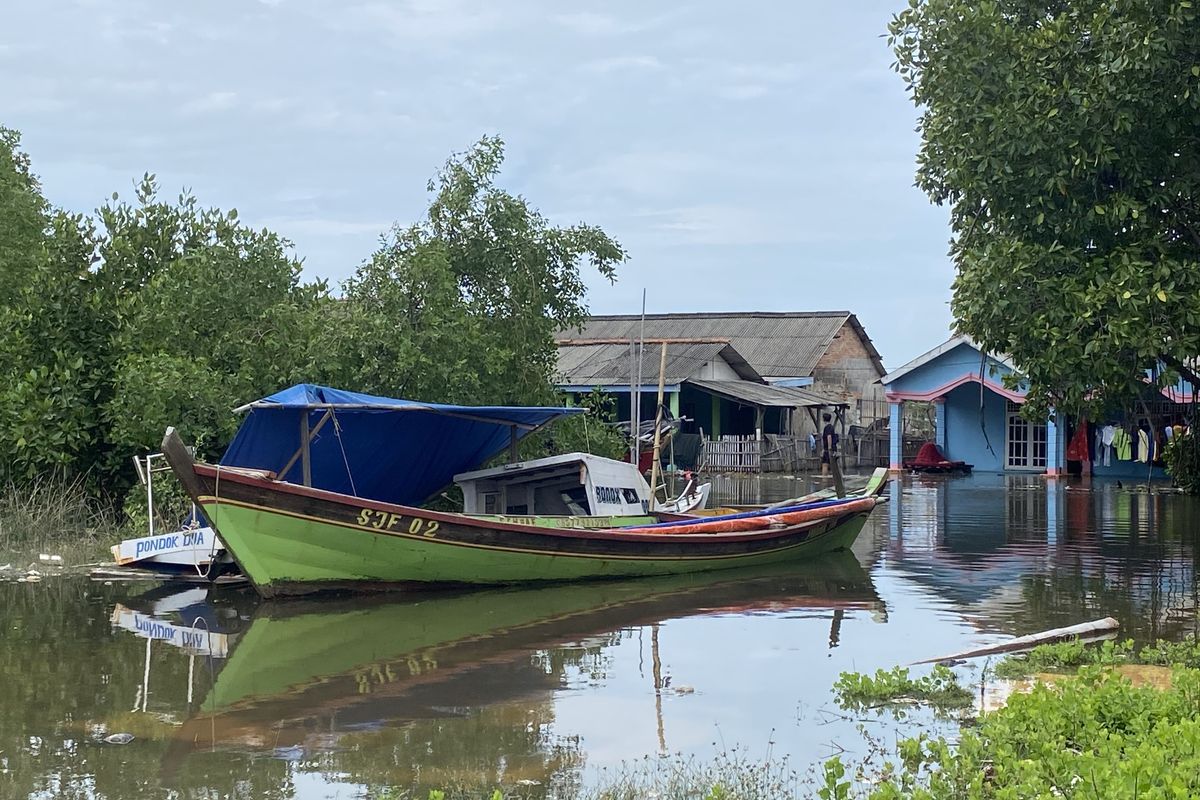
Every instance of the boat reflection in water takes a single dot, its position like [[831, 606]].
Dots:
[[307, 677]]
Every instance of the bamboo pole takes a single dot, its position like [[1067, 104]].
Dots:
[[1097, 629], [654, 468]]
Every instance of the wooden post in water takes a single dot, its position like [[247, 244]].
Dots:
[[658, 415], [835, 467]]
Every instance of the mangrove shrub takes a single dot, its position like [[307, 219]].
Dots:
[[152, 313]]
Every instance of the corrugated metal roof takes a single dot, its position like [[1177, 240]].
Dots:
[[608, 363], [765, 395], [777, 344]]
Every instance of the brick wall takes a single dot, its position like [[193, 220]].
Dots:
[[846, 371]]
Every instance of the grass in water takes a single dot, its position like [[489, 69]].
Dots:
[[1070, 656], [939, 690], [57, 517]]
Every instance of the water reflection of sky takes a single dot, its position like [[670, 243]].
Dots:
[[548, 686]]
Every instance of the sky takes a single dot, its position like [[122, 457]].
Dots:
[[754, 156]]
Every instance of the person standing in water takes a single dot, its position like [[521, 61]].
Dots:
[[828, 443]]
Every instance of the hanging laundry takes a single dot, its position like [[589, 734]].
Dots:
[[1123, 444], [1077, 450], [1106, 437], [1143, 446]]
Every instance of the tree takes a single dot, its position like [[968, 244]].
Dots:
[[1065, 137], [165, 314], [153, 313], [463, 305], [24, 217], [212, 314]]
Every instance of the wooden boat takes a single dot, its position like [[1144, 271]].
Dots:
[[295, 538]]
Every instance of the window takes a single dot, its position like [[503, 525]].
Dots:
[[1025, 442]]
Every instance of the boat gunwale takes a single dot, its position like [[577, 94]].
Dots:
[[852, 507]]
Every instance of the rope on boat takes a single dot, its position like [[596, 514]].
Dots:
[[337, 432]]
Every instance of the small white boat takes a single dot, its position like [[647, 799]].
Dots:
[[192, 547], [186, 547]]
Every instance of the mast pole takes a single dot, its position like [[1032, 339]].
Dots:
[[654, 466]]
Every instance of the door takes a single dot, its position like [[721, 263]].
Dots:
[[1025, 442]]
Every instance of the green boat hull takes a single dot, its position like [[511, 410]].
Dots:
[[291, 539], [282, 554]]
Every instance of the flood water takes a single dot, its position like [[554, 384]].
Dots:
[[541, 690]]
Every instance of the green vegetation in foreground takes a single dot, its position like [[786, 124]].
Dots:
[[893, 688], [1070, 656], [1093, 735]]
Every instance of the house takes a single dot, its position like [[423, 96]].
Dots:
[[977, 399], [752, 374], [826, 352]]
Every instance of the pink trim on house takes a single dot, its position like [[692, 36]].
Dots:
[[934, 394], [1176, 396]]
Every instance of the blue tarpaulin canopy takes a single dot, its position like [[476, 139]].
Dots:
[[395, 451]]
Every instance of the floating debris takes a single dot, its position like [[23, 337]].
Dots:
[[118, 738]]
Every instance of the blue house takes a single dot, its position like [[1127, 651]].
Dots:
[[978, 417]]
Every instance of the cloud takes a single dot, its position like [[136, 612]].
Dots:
[[429, 21], [591, 24], [742, 92], [210, 103], [726, 224], [322, 226], [618, 63]]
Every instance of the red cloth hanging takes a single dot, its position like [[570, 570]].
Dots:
[[1077, 450]]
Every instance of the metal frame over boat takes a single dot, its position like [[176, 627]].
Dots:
[[191, 548], [292, 538]]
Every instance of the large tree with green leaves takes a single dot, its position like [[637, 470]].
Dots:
[[153, 313], [463, 305], [1065, 138]]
